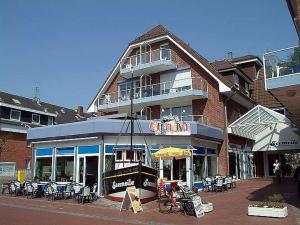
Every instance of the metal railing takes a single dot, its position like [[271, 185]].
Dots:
[[197, 118], [282, 62], [148, 57], [159, 89]]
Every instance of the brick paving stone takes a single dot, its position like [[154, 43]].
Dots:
[[230, 207]]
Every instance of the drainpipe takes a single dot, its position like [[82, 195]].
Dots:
[[226, 126]]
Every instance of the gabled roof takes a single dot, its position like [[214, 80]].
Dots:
[[247, 58], [255, 121], [161, 31], [223, 65], [61, 114]]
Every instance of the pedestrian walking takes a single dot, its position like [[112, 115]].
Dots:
[[297, 178], [276, 170]]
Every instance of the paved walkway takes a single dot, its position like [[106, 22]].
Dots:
[[229, 208]]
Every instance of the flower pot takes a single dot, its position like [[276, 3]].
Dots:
[[207, 207], [268, 212]]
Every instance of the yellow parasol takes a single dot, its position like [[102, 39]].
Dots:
[[171, 153]]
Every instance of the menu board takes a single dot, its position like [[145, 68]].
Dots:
[[131, 200], [196, 199]]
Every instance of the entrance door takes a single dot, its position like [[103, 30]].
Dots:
[[271, 160], [88, 170]]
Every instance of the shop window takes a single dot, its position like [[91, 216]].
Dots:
[[81, 169], [198, 167], [43, 168], [64, 168], [211, 166], [167, 169]]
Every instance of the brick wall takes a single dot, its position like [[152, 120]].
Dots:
[[15, 149]]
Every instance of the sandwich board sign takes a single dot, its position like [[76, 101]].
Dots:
[[131, 200], [196, 199]]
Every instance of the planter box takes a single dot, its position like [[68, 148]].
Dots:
[[208, 207], [269, 212]]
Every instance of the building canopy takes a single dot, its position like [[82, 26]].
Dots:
[[270, 130]]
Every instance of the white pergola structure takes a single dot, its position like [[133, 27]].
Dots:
[[269, 130]]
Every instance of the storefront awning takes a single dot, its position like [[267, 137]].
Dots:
[[256, 121], [270, 131]]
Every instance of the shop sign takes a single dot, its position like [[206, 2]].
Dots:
[[127, 183], [172, 126], [283, 143]]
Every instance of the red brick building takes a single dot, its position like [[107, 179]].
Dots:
[[226, 85], [17, 114]]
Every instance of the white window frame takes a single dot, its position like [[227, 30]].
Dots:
[[39, 116], [11, 111], [138, 56], [161, 48], [236, 80], [247, 87], [49, 119]]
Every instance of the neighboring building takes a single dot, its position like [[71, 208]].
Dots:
[[170, 80], [17, 114]]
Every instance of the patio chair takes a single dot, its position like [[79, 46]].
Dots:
[[234, 181], [229, 182], [225, 183], [85, 194], [15, 188], [208, 184], [94, 193], [67, 192], [219, 184], [76, 192]]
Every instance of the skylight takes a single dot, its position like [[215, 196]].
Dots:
[[16, 101]]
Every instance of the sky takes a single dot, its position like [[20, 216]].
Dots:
[[68, 47]]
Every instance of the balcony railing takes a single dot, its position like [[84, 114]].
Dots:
[[282, 62], [148, 57], [175, 87]]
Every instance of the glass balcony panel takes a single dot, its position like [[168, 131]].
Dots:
[[282, 62]]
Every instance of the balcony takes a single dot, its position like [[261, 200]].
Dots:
[[175, 91], [282, 68], [148, 63], [282, 74]]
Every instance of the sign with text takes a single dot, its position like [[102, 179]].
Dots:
[[131, 200]]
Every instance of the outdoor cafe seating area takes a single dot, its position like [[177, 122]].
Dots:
[[51, 190], [219, 183]]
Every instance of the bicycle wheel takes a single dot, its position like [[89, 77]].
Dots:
[[165, 205]]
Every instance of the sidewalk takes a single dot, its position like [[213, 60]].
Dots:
[[229, 208]]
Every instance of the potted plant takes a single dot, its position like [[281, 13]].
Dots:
[[272, 207], [207, 206]]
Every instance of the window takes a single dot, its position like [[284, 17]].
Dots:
[[43, 168], [50, 120], [119, 155], [140, 156], [236, 81], [138, 58], [15, 115], [183, 112], [280, 110], [27, 164], [129, 155], [198, 167], [36, 118], [247, 88], [64, 168], [164, 52], [211, 165]]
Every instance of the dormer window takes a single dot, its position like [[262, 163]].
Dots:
[[15, 115], [165, 51], [236, 81], [247, 89], [35, 118], [50, 120]]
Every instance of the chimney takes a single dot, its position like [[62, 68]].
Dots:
[[229, 56], [80, 110]]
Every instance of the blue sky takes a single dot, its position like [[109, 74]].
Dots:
[[68, 47]]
